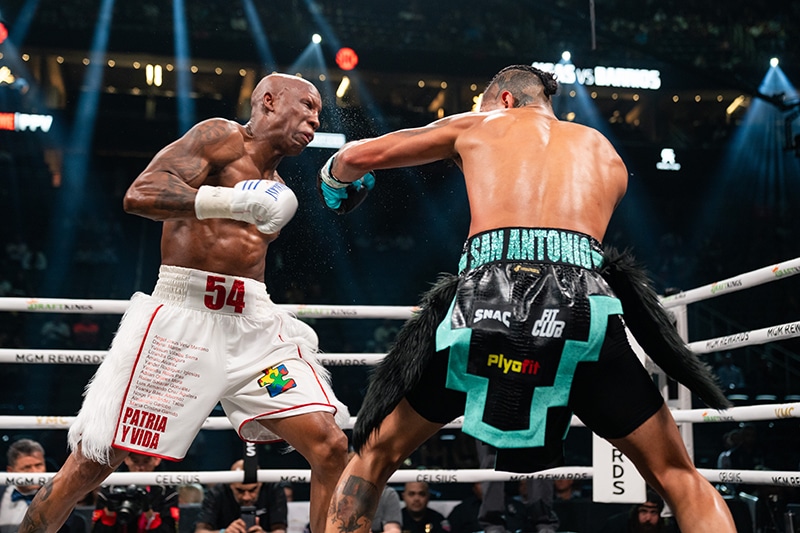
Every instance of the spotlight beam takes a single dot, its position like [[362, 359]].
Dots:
[[23, 22], [183, 81], [756, 161], [789, 142], [329, 36], [76, 161], [259, 36]]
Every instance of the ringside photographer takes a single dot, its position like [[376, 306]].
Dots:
[[243, 508], [134, 508]]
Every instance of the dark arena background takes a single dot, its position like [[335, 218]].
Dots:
[[698, 99]]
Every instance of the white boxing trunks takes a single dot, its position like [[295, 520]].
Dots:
[[199, 339]]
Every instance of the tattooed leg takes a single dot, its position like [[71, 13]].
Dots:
[[358, 492], [54, 502], [35, 520], [353, 507]]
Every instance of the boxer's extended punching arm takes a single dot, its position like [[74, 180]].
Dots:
[[339, 196], [403, 148]]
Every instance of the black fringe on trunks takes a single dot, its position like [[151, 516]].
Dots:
[[654, 331], [402, 367]]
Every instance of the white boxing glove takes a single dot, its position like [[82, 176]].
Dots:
[[268, 204]]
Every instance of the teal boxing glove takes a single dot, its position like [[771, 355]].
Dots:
[[339, 196]]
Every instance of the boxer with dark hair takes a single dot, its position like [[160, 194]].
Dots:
[[210, 332], [530, 330]]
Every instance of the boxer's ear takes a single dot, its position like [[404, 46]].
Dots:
[[269, 102]]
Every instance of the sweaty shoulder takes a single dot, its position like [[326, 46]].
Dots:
[[585, 135], [215, 130], [573, 128], [220, 140]]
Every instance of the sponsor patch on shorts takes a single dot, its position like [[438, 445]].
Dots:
[[491, 316], [276, 380], [547, 325]]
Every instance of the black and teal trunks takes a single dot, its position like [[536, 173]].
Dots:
[[533, 334]]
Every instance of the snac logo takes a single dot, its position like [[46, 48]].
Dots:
[[492, 314]]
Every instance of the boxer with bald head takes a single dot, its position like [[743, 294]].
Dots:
[[530, 330], [209, 332]]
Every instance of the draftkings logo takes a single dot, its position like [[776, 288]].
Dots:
[[716, 417], [276, 380]]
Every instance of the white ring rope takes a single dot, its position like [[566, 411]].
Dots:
[[61, 357], [747, 413], [736, 283], [736, 414], [747, 338], [67, 305], [63, 305], [778, 332], [758, 477], [95, 357], [303, 476]]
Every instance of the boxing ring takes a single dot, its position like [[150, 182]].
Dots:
[[686, 417]]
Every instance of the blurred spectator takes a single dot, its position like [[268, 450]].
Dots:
[[288, 490], [417, 516], [528, 507], [730, 376], [243, 507], [768, 379], [85, 333], [6, 287], [388, 516], [464, 516], [383, 336], [34, 260], [532, 509], [16, 250], [27, 456], [565, 489], [730, 440], [150, 508], [746, 455], [56, 333], [641, 518], [24, 456], [190, 494]]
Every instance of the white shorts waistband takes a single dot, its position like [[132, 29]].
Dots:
[[212, 292]]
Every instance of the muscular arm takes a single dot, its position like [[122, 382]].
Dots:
[[167, 187], [403, 148]]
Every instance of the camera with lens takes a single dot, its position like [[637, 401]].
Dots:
[[128, 502]]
